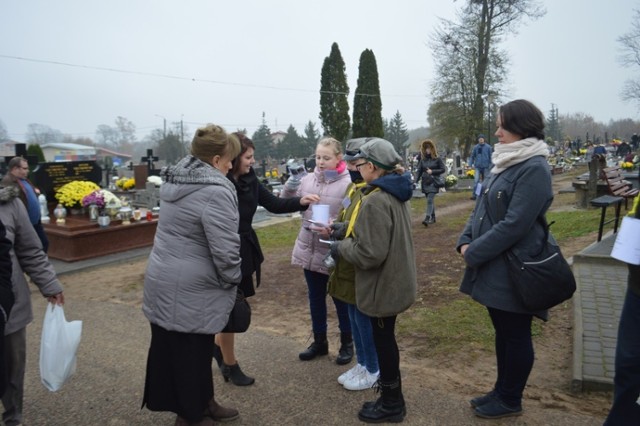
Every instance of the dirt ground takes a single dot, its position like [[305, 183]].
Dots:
[[280, 307]]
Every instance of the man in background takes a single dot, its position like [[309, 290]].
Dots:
[[481, 161], [17, 175]]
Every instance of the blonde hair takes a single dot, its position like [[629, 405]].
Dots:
[[332, 143], [213, 140], [428, 143]]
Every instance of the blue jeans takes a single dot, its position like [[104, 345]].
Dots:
[[363, 339], [431, 206], [478, 176], [625, 410], [514, 353], [317, 285]]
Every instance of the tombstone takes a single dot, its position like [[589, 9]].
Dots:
[[49, 177], [149, 159], [458, 164], [147, 198], [140, 174]]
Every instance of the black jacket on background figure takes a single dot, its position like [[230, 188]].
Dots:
[[251, 194]]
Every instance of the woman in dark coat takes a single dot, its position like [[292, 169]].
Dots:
[[508, 215], [251, 194], [430, 165]]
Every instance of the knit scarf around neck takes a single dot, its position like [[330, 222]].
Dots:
[[506, 155]]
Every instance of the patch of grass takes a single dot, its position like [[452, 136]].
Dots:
[[278, 236], [460, 325], [572, 224]]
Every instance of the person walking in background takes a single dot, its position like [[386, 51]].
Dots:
[[625, 409], [430, 165], [329, 179], [6, 296], [514, 202], [481, 161], [251, 194], [342, 282], [27, 257], [381, 251], [18, 170], [191, 280]]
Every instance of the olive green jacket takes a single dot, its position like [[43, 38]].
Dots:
[[343, 276]]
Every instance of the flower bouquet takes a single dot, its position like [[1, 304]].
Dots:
[[156, 180], [95, 198], [627, 165], [450, 181], [71, 194], [125, 183]]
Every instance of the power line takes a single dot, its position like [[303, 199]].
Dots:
[[192, 79]]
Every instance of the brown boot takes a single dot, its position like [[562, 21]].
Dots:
[[206, 421], [219, 413]]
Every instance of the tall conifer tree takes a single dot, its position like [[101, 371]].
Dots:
[[334, 107], [367, 105]]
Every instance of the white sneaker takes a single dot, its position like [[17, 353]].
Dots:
[[362, 381], [353, 371]]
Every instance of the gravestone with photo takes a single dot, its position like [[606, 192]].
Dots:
[[49, 177]]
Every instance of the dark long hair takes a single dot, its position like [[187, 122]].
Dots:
[[245, 144], [522, 118]]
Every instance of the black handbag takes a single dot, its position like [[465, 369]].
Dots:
[[544, 280], [240, 316], [438, 181]]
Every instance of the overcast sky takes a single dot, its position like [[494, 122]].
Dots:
[[227, 62]]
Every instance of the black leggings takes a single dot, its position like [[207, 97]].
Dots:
[[384, 339]]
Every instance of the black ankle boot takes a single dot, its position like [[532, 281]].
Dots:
[[320, 346], [217, 355], [390, 407], [345, 354], [235, 374], [433, 218], [425, 222]]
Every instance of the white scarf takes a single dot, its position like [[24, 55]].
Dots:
[[506, 155]]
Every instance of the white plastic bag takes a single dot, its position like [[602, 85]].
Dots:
[[60, 340]]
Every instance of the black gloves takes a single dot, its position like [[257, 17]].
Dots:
[[339, 230], [333, 249]]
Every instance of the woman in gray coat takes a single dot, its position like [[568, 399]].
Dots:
[[508, 216], [191, 279]]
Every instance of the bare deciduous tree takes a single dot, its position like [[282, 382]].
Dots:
[[631, 58]]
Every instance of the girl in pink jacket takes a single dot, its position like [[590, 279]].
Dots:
[[329, 180]]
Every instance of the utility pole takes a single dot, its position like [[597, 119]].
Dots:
[[182, 134]]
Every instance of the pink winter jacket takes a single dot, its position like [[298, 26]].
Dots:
[[308, 251]]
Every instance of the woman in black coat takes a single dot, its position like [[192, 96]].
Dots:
[[251, 194], [430, 165]]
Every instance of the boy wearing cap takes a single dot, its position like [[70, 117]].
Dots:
[[381, 250], [342, 281]]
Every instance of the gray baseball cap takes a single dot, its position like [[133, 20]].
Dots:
[[353, 147], [380, 152]]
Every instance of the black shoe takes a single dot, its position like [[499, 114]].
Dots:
[[496, 409], [345, 355], [473, 198], [481, 400], [320, 346], [433, 218], [235, 374], [425, 222], [383, 412]]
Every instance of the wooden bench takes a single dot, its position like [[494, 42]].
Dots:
[[618, 187], [604, 202]]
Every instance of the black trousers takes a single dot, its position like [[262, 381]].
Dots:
[[384, 339]]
